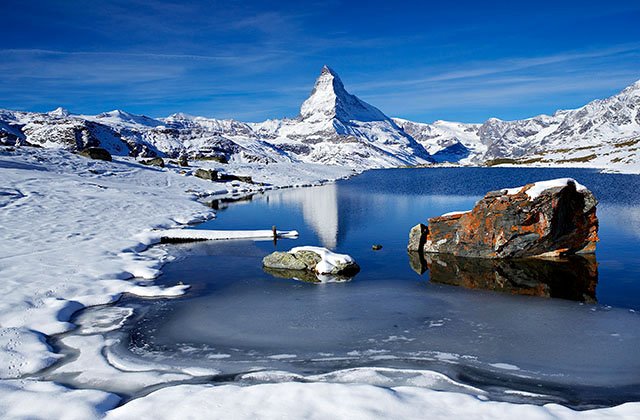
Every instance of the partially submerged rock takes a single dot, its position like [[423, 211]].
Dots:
[[96, 153], [544, 219], [300, 262]]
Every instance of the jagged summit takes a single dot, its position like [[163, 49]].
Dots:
[[59, 112], [329, 99]]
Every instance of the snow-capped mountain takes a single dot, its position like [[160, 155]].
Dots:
[[336, 127], [601, 132], [604, 133]]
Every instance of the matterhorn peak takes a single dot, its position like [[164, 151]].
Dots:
[[59, 112], [329, 99]]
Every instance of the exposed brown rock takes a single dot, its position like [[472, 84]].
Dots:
[[517, 223]]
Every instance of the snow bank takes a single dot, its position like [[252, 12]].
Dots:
[[22, 399], [330, 260], [539, 187], [213, 235], [22, 351], [338, 401]]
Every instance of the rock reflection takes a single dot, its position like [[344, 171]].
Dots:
[[573, 278], [305, 276]]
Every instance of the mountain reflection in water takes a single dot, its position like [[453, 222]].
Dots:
[[572, 278]]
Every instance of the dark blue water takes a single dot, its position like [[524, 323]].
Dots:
[[574, 341], [380, 207]]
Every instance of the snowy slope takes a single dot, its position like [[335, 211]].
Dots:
[[604, 133], [447, 141]]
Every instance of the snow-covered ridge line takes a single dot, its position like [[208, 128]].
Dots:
[[336, 127]]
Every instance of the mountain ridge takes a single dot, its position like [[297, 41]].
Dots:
[[336, 127]]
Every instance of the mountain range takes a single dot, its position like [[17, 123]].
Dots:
[[335, 127]]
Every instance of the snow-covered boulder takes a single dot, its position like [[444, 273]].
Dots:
[[544, 219], [310, 263]]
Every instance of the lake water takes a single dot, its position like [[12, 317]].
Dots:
[[576, 341]]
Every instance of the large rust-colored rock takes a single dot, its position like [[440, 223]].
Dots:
[[546, 219]]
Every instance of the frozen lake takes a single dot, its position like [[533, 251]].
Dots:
[[563, 332]]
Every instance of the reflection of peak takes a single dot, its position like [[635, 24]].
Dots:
[[320, 211]]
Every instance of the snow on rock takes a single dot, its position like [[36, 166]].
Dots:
[[537, 188], [455, 213], [31, 399], [330, 262], [311, 264], [339, 401]]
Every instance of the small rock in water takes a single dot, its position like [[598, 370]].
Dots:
[[313, 264], [543, 219], [376, 247]]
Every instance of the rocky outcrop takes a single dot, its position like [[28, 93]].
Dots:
[[157, 161], [311, 264], [208, 174], [544, 219]]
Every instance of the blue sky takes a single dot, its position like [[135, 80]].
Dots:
[[454, 60]]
